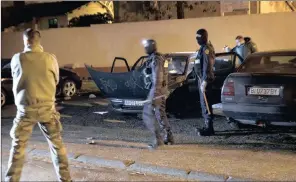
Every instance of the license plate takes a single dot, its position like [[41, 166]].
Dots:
[[133, 103], [263, 91]]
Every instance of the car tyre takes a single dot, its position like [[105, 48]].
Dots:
[[69, 88], [3, 98]]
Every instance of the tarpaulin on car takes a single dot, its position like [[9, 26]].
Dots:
[[120, 85]]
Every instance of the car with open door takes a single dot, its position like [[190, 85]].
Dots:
[[263, 90], [127, 90]]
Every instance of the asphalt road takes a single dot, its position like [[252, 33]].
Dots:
[[82, 112]]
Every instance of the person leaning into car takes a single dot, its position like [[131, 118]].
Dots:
[[244, 47], [35, 75]]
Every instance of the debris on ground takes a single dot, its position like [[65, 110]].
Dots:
[[67, 98], [137, 173], [217, 106], [90, 138], [114, 121], [92, 96], [92, 142], [101, 112], [227, 178]]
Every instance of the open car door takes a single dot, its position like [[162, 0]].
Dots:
[[123, 85]]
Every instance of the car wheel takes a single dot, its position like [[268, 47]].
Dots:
[[3, 98], [69, 88]]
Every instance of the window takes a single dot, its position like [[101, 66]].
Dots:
[[270, 64], [177, 64], [53, 23], [139, 63], [223, 62]]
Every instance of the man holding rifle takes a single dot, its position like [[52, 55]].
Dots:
[[204, 72]]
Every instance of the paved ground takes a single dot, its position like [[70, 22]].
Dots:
[[37, 170], [83, 111], [250, 153]]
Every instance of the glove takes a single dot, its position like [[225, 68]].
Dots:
[[203, 86]]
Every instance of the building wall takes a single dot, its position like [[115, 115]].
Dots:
[[273, 6], [43, 22], [99, 44], [88, 9]]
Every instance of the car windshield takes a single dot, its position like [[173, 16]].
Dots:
[[270, 64]]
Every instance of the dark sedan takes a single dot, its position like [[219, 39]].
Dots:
[[263, 91], [70, 83]]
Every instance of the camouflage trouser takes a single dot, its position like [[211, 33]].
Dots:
[[155, 118], [48, 120], [160, 113], [150, 120], [206, 115]]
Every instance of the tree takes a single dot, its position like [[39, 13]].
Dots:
[[180, 9], [87, 20]]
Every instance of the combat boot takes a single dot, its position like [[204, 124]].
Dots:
[[208, 130], [168, 138], [157, 142]]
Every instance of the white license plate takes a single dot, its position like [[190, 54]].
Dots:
[[133, 103], [263, 91]]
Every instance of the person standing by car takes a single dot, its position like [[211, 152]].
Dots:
[[205, 74], [244, 47], [35, 75], [251, 46], [154, 112], [239, 49]]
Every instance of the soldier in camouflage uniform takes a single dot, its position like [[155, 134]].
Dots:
[[154, 112], [35, 75], [205, 74]]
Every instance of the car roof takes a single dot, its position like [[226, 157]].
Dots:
[[276, 53], [180, 53]]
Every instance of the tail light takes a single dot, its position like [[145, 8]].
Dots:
[[228, 88]]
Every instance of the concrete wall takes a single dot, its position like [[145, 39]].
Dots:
[[273, 6], [99, 44]]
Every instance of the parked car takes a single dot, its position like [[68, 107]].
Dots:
[[263, 91], [69, 84], [127, 90]]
